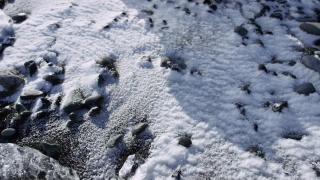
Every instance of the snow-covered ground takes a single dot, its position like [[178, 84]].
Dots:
[[199, 105]]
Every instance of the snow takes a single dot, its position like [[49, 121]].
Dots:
[[177, 103]]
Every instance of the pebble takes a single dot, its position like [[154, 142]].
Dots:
[[292, 136], [19, 18], [31, 67], [53, 79], [185, 141], [310, 27], [311, 62], [31, 95], [50, 149], [262, 67], [139, 128], [93, 101], [305, 88], [241, 31], [114, 141], [8, 132]]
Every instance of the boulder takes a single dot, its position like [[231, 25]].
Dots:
[[10, 80], [310, 28], [305, 88], [311, 62]]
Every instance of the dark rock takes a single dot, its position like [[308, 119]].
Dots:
[[289, 74], [45, 103], [241, 31], [257, 151], [213, 7], [292, 136], [276, 61], [186, 10], [266, 104], [94, 111], [31, 95], [310, 28], [109, 63], [50, 149], [273, 73], [139, 128], [291, 63], [53, 79], [93, 101], [114, 141], [269, 32], [241, 108], [185, 141], [207, 2], [246, 88], [174, 64], [8, 132], [276, 15], [42, 114], [277, 107], [305, 88], [74, 101], [317, 42], [24, 115], [100, 80], [19, 107], [257, 15], [262, 67], [31, 67], [10, 80], [307, 19], [264, 9], [255, 127], [19, 18], [73, 117], [149, 12], [311, 62]]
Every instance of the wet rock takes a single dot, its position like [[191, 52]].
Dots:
[[109, 63], [276, 15], [10, 80], [50, 149], [305, 88], [53, 79], [8, 132], [310, 28], [31, 67], [93, 101], [241, 31], [139, 128], [174, 64], [74, 101], [256, 151], [185, 141], [31, 95], [19, 18], [262, 67], [291, 63], [292, 136], [311, 62], [114, 141], [277, 107]]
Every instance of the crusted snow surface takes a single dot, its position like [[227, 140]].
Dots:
[[198, 105]]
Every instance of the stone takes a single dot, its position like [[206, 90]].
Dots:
[[100, 80], [10, 80], [114, 141], [73, 117], [246, 88], [94, 111], [42, 114], [307, 19], [305, 88], [257, 15], [255, 127], [262, 67], [276, 15], [19, 18], [50, 149], [311, 62], [185, 141], [8, 132], [277, 107], [31, 95], [53, 79], [256, 151], [25, 114], [310, 27], [74, 101], [241, 31], [174, 64], [273, 73], [31, 67], [93, 101], [241, 108], [45, 103], [139, 128], [289, 74], [266, 104], [292, 63], [19, 107], [292, 136], [109, 63]]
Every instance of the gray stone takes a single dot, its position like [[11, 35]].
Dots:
[[31, 95], [10, 80], [277, 107], [53, 79], [93, 101], [174, 64], [305, 88], [139, 128], [311, 62], [50, 149], [19, 107], [185, 141], [241, 31], [74, 101], [310, 27], [276, 15], [114, 141], [8, 132]]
